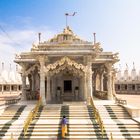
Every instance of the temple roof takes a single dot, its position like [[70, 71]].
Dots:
[[66, 37]]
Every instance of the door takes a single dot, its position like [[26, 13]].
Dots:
[[68, 96]]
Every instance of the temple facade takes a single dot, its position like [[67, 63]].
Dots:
[[127, 82], [67, 68]]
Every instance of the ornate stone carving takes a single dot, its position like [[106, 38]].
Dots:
[[68, 61], [32, 68], [97, 47], [17, 56], [69, 68]]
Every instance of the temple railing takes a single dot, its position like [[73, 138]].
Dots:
[[111, 136], [119, 100], [31, 116], [12, 100], [101, 94], [97, 117]]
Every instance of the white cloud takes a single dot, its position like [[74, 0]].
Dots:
[[20, 40]]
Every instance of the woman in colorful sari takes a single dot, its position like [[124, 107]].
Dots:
[[64, 126]]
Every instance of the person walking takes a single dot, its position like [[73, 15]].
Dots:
[[64, 126]]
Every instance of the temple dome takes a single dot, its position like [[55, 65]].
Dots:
[[18, 76], [67, 37], [9, 77], [4, 76], [12, 77], [1, 80]]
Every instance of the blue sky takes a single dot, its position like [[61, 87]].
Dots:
[[116, 23]]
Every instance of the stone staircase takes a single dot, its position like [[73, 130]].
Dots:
[[81, 123], [8, 118], [117, 120], [47, 123]]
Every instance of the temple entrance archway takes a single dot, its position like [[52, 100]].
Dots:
[[66, 86], [66, 81]]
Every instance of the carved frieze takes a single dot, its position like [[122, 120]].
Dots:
[[68, 61]]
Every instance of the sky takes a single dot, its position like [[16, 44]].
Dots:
[[115, 22]]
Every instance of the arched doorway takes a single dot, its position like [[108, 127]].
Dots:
[[67, 85]]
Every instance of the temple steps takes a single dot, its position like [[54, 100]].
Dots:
[[81, 123], [47, 125], [120, 121]]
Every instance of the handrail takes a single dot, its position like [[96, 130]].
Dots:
[[11, 137], [111, 136], [97, 117], [31, 116], [119, 101]]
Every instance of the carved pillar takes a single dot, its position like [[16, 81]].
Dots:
[[101, 82], [81, 85], [2, 86], [23, 96], [53, 89], [89, 82], [33, 82], [113, 83], [42, 80], [85, 86], [109, 81], [48, 89]]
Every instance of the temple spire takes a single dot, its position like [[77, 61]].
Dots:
[[94, 38], [10, 67], [39, 37], [2, 65], [133, 65], [126, 66]]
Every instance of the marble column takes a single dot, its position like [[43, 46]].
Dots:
[[23, 96], [85, 86], [101, 82], [2, 88], [81, 85], [113, 84], [33, 82], [42, 81], [89, 82], [109, 83], [53, 89], [10, 88], [48, 89]]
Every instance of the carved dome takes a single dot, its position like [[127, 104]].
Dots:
[[67, 37], [9, 77]]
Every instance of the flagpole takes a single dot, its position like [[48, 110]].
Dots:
[[66, 14], [66, 20]]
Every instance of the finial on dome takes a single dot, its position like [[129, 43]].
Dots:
[[39, 37], [67, 14], [133, 65], [94, 38], [126, 66], [10, 67], [16, 67], [2, 65]]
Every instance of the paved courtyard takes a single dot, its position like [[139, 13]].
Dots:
[[133, 100]]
